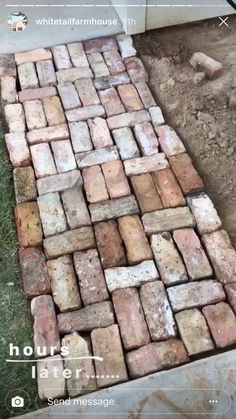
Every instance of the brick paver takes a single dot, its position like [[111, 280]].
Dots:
[[118, 240]]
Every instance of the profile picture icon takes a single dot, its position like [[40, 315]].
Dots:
[[17, 21]]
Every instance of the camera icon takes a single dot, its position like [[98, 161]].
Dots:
[[17, 401]]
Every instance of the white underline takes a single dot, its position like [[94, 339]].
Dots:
[[119, 5], [97, 358]]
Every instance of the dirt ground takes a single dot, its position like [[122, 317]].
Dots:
[[199, 110]]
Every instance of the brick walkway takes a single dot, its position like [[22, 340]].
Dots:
[[121, 251]]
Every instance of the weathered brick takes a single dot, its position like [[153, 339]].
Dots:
[[46, 73], [168, 220], [111, 101], [128, 119], [92, 284], [34, 272], [53, 110], [28, 224], [94, 184], [168, 188], [100, 133], [114, 208], [146, 193], [205, 213], [169, 140], [195, 294], [194, 331], [68, 242], [130, 97], [98, 64], [46, 333], [167, 259], [34, 114], [126, 47], [42, 160], [75, 207], [136, 243], [77, 54], [157, 310], [125, 142], [131, 276], [80, 137], [222, 323], [61, 57], [33, 56], [7, 65], [15, 118], [186, 174], [79, 347], [115, 178], [193, 254], [40, 93], [107, 233], [59, 132], [18, 149], [114, 62], [99, 45], [230, 290], [106, 82], [27, 76], [73, 74], [8, 89], [59, 183], [130, 317], [145, 164], [145, 94], [52, 387], [221, 254], [93, 158], [87, 92], [24, 183], [69, 96], [63, 156], [51, 214], [136, 69], [156, 356], [87, 318], [156, 115], [106, 342], [203, 63], [82, 114], [146, 138], [64, 285]]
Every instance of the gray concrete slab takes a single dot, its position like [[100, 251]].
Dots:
[[204, 388], [49, 34]]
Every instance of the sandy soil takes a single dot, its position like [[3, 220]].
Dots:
[[199, 110]]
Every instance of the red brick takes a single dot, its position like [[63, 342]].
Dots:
[[145, 95], [128, 119], [230, 290], [222, 323], [42, 160], [111, 101], [156, 356], [68, 95], [202, 62], [136, 243], [113, 208], [70, 75], [114, 62], [136, 69], [157, 117], [126, 47], [99, 45], [87, 92], [77, 54], [107, 344], [130, 316], [75, 207], [34, 114], [186, 174], [169, 140], [205, 213], [94, 184], [106, 82], [98, 65], [51, 214], [33, 56], [146, 193], [15, 118], [97, 157], [84, 113], [146, 138], [46, 73], [34, 272], [115, 178], [126, 143], [167, 220], [91, 279], [28, 224], [100, 133], [80, 137], [130, 97], [24, 183], [168, 188], [8, 89], [87, 318], [145, 164], [63, 156], [46, 333], [53, 110], [44, 135], [60, 182], [157, 310], [61, 57], [7, 65], [18, 149], [107, 233], [40, 93], [193, 254], [27, 76]]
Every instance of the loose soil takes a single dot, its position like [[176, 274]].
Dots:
[[199, 110]]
